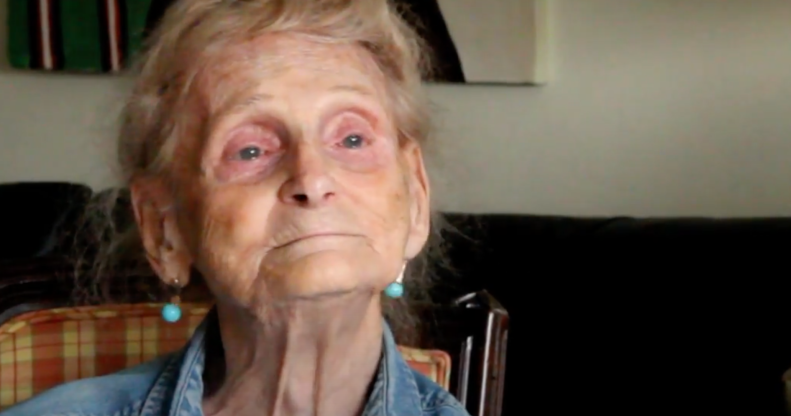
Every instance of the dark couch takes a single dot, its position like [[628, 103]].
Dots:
[[608, 315], [635, 316]]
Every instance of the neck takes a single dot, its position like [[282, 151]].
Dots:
[[303, 358]]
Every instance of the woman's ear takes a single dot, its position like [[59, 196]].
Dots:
[[420, 198], [159, 232]]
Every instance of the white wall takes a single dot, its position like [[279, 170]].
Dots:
[[657, 107]]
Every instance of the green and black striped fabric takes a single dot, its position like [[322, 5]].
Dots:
[[75, 35]]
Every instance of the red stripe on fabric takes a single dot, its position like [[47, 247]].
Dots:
[[46, 355], [79, 350], [110, 346], [43, 23], [52, 34], [118, 38], [16, 365]]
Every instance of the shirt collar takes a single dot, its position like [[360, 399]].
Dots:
[[178, 391], [394, 391]]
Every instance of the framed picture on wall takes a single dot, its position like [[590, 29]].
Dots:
[[471, 41], [75, 35], [483, 41]]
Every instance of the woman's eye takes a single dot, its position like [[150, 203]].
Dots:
[[352, 141], [250, 153]]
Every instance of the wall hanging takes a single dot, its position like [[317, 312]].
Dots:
[[473, 41], [75, 35]]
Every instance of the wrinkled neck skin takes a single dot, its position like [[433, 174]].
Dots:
[[306, 357]]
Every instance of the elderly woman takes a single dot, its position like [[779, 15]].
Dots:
[[274, 148]]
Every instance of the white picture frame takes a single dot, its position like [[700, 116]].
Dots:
[[493, 41]]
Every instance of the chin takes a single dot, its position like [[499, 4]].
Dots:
[[326, 273]]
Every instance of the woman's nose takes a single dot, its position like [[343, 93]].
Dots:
[[309, 183]]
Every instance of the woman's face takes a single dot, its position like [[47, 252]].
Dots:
[[291, 182]]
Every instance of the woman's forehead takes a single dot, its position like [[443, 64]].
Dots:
[[249, 69]]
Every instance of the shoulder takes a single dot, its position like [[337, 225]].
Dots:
[[121, 393], [435, 400]]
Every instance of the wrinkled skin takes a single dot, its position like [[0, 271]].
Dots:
[[298, 204]]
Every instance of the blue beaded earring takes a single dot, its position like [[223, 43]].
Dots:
[[396, 289], [171, 311]]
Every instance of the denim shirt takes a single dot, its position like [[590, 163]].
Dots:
[[173, 386]]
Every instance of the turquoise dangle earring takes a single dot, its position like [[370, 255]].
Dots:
[[396, 289], [171, 312]]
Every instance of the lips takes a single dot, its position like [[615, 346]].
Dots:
[[316, 235]]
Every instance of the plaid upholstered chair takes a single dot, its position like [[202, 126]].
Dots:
[[45, 340]]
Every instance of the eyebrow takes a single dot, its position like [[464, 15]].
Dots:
[[257, 98], [356, 88], [231, 108], [249, 101]]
